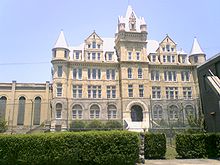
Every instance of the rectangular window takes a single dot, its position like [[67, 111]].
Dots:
[[94, 91], [138, 56], [183, 59], [113, 74], [60, 71], [66, 54], [93, 73], [74, 91], [93, 56], [99, 74], [169, 75], [141, 90], [130, 90], [168, 58], [110, 56], [185, 75], [77, 91], [172, 92], [59, 89], [98, 56], [129, 55], [155, 75], [111, 91], [187, 92], [74, 73], [173, 58], [79, 73], [107, 74], [156, 92], [89, 91], [88, 56], [195, 59], [77, 55], [99, 91], [108, 91], [98, 45], [93, 45], [164, 58], [139, 72], [129, 73], [89, 74], [153, 58]]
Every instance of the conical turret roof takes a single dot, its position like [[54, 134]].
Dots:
[[61, 41], [196, 49]]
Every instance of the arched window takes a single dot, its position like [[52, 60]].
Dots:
[[3, 101], [129, 73], [37, 110], [58, 111], [173, 112], [94, 112], [157, 112], [189, 111], [112, 112], [21, 111], [77, 112], [139, 72]]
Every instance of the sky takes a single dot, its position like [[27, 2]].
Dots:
[[30, 28]]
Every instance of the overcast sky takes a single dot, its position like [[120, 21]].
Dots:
[[29, 28]]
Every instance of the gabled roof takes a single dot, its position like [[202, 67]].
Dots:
[[167, 37], [94, 33], [61, 41], [196, 49]]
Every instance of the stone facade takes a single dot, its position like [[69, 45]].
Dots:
[[128, 77]]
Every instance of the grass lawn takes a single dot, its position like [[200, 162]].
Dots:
[[171, 153]]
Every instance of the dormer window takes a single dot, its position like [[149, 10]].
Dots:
[[93, 44], [110, 56], [168, 48], [163, 49], [98, 46], [172, 49], [89, 45], [183, 59], [153, 58], [77, 55]]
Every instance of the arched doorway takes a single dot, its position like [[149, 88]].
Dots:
[[136, 113]]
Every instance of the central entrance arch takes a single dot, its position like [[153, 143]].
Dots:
[[136, 113]]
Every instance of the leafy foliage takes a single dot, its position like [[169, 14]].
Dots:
[[113, 124], [155, 146], [93, 147], [3, 125], [77, 124], [198, 145]]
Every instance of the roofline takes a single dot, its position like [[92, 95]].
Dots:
[[209, 60]]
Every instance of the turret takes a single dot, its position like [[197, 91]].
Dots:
[[197, 56], [182, 57], [60, 49]]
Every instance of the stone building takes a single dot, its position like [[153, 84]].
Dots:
[[142, 82]]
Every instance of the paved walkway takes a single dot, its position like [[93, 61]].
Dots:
[[183, 162]]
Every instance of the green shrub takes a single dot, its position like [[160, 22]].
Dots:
[[113, 124], [191, 145], [108, 147], [95, 124], [155, 146], [77, 124], [3, 125], [198, 145]]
